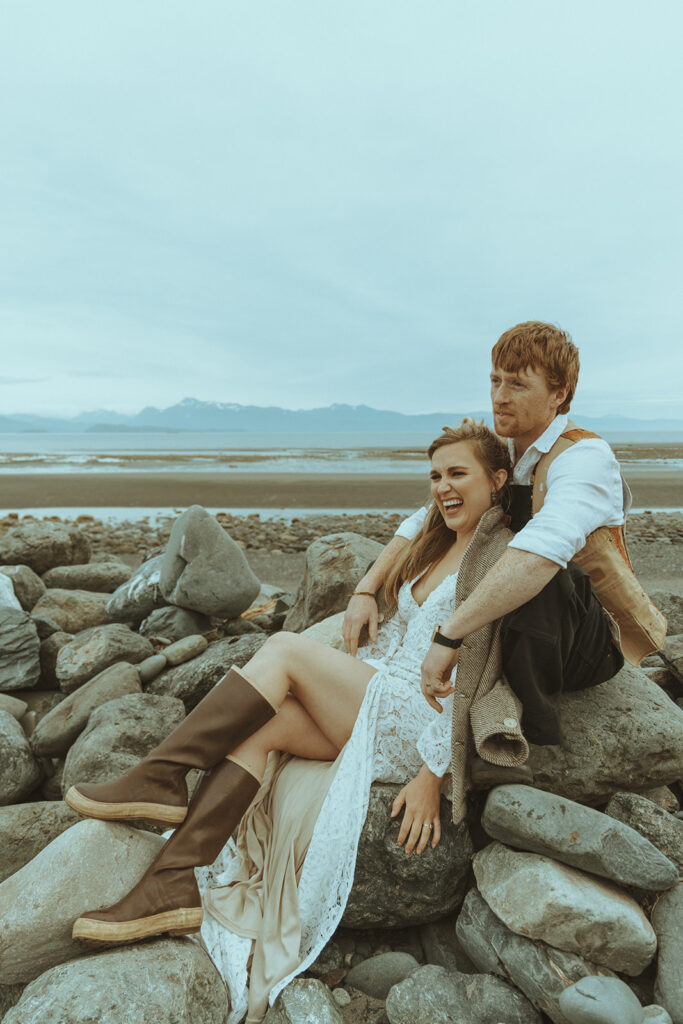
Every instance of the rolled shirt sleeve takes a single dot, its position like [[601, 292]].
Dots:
[[584, 493], [411, 526]]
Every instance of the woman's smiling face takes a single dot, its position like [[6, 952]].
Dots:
[[461, 486]]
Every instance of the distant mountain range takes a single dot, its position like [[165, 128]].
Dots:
[[193, 415]]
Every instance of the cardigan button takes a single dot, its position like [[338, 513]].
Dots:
[[510, 723]]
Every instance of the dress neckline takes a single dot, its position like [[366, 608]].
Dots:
[[437, 587]]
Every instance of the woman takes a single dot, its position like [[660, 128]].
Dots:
[[365, 718]]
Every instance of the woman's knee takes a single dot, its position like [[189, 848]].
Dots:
[[283, 644]]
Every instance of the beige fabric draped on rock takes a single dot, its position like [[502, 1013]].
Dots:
[[262, 900]]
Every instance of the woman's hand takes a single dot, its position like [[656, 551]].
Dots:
[[360, 611], [436, 674], [421, 822]]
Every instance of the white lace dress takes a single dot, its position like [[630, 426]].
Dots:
[[395, 732]]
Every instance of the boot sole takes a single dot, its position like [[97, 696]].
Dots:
[[163, 814], [174, 922]]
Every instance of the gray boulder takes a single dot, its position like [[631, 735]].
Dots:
[[203, 569], [671, 605], [19, 770], [304, 1001], [57, 730], [97, 577], [662, 829], [51, 787], [538, 970], [664, 797], [334, 565], [555, 827], [656, 1015], [672, 655], [41, 546], [93, 650], [376, 975], [164, 982], [328, 631], [390, 888], [8, 599], [545, 900], [600, 1001], [139, 596], [73, 610], [667, 919], [434, 994], [192, 680], [442, 947], [25, 829], [9, 996], [624, 734], [49, 652], [39, 702], [28, 586], [19, 650], [118, 735], [45, 626], [90, 865], [173, 623], [17, 708]]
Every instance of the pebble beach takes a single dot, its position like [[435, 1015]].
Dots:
[[275, 547]]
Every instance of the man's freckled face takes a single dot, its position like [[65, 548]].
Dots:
[[522, 402]]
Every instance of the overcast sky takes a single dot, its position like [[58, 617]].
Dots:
[[312, 202]]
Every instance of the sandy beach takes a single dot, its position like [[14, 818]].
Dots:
[[651, 488]]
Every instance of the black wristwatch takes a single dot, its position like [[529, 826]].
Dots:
[[445, 641]]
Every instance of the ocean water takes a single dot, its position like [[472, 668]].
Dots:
[[236, 452]]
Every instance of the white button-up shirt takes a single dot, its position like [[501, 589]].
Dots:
[[584, 491]]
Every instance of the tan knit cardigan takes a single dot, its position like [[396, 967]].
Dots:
[[486, 713]]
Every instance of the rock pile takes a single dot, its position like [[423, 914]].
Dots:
[[576, 902]]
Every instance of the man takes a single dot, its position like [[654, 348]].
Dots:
[[555, 634]]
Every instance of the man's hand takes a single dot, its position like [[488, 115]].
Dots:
[[360, 611], [421, 822], [436, 671]]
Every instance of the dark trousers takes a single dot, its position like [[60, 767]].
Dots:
[[560, 640]]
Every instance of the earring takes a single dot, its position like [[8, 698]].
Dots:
[[495, 497]]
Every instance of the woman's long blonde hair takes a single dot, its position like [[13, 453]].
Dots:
[[435, 538]]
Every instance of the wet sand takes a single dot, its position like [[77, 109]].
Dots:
[[651, 489]]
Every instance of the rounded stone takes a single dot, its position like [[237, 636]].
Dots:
[[73, 610], [15, 707], [380, 973], [596, 1000], [94, 650], [186, 649], [19, 770], [42, 546], [150, 668], [92, 864], [656, 1015], [162, 982]]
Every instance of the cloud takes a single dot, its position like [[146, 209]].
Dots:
[[7, 381]]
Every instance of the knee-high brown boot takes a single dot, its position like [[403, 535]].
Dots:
[[155, 788], [166, 899]]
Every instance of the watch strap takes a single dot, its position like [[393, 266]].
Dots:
[[445, 641]]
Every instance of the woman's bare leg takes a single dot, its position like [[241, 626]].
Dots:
[[329, 684], [292, 731]]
